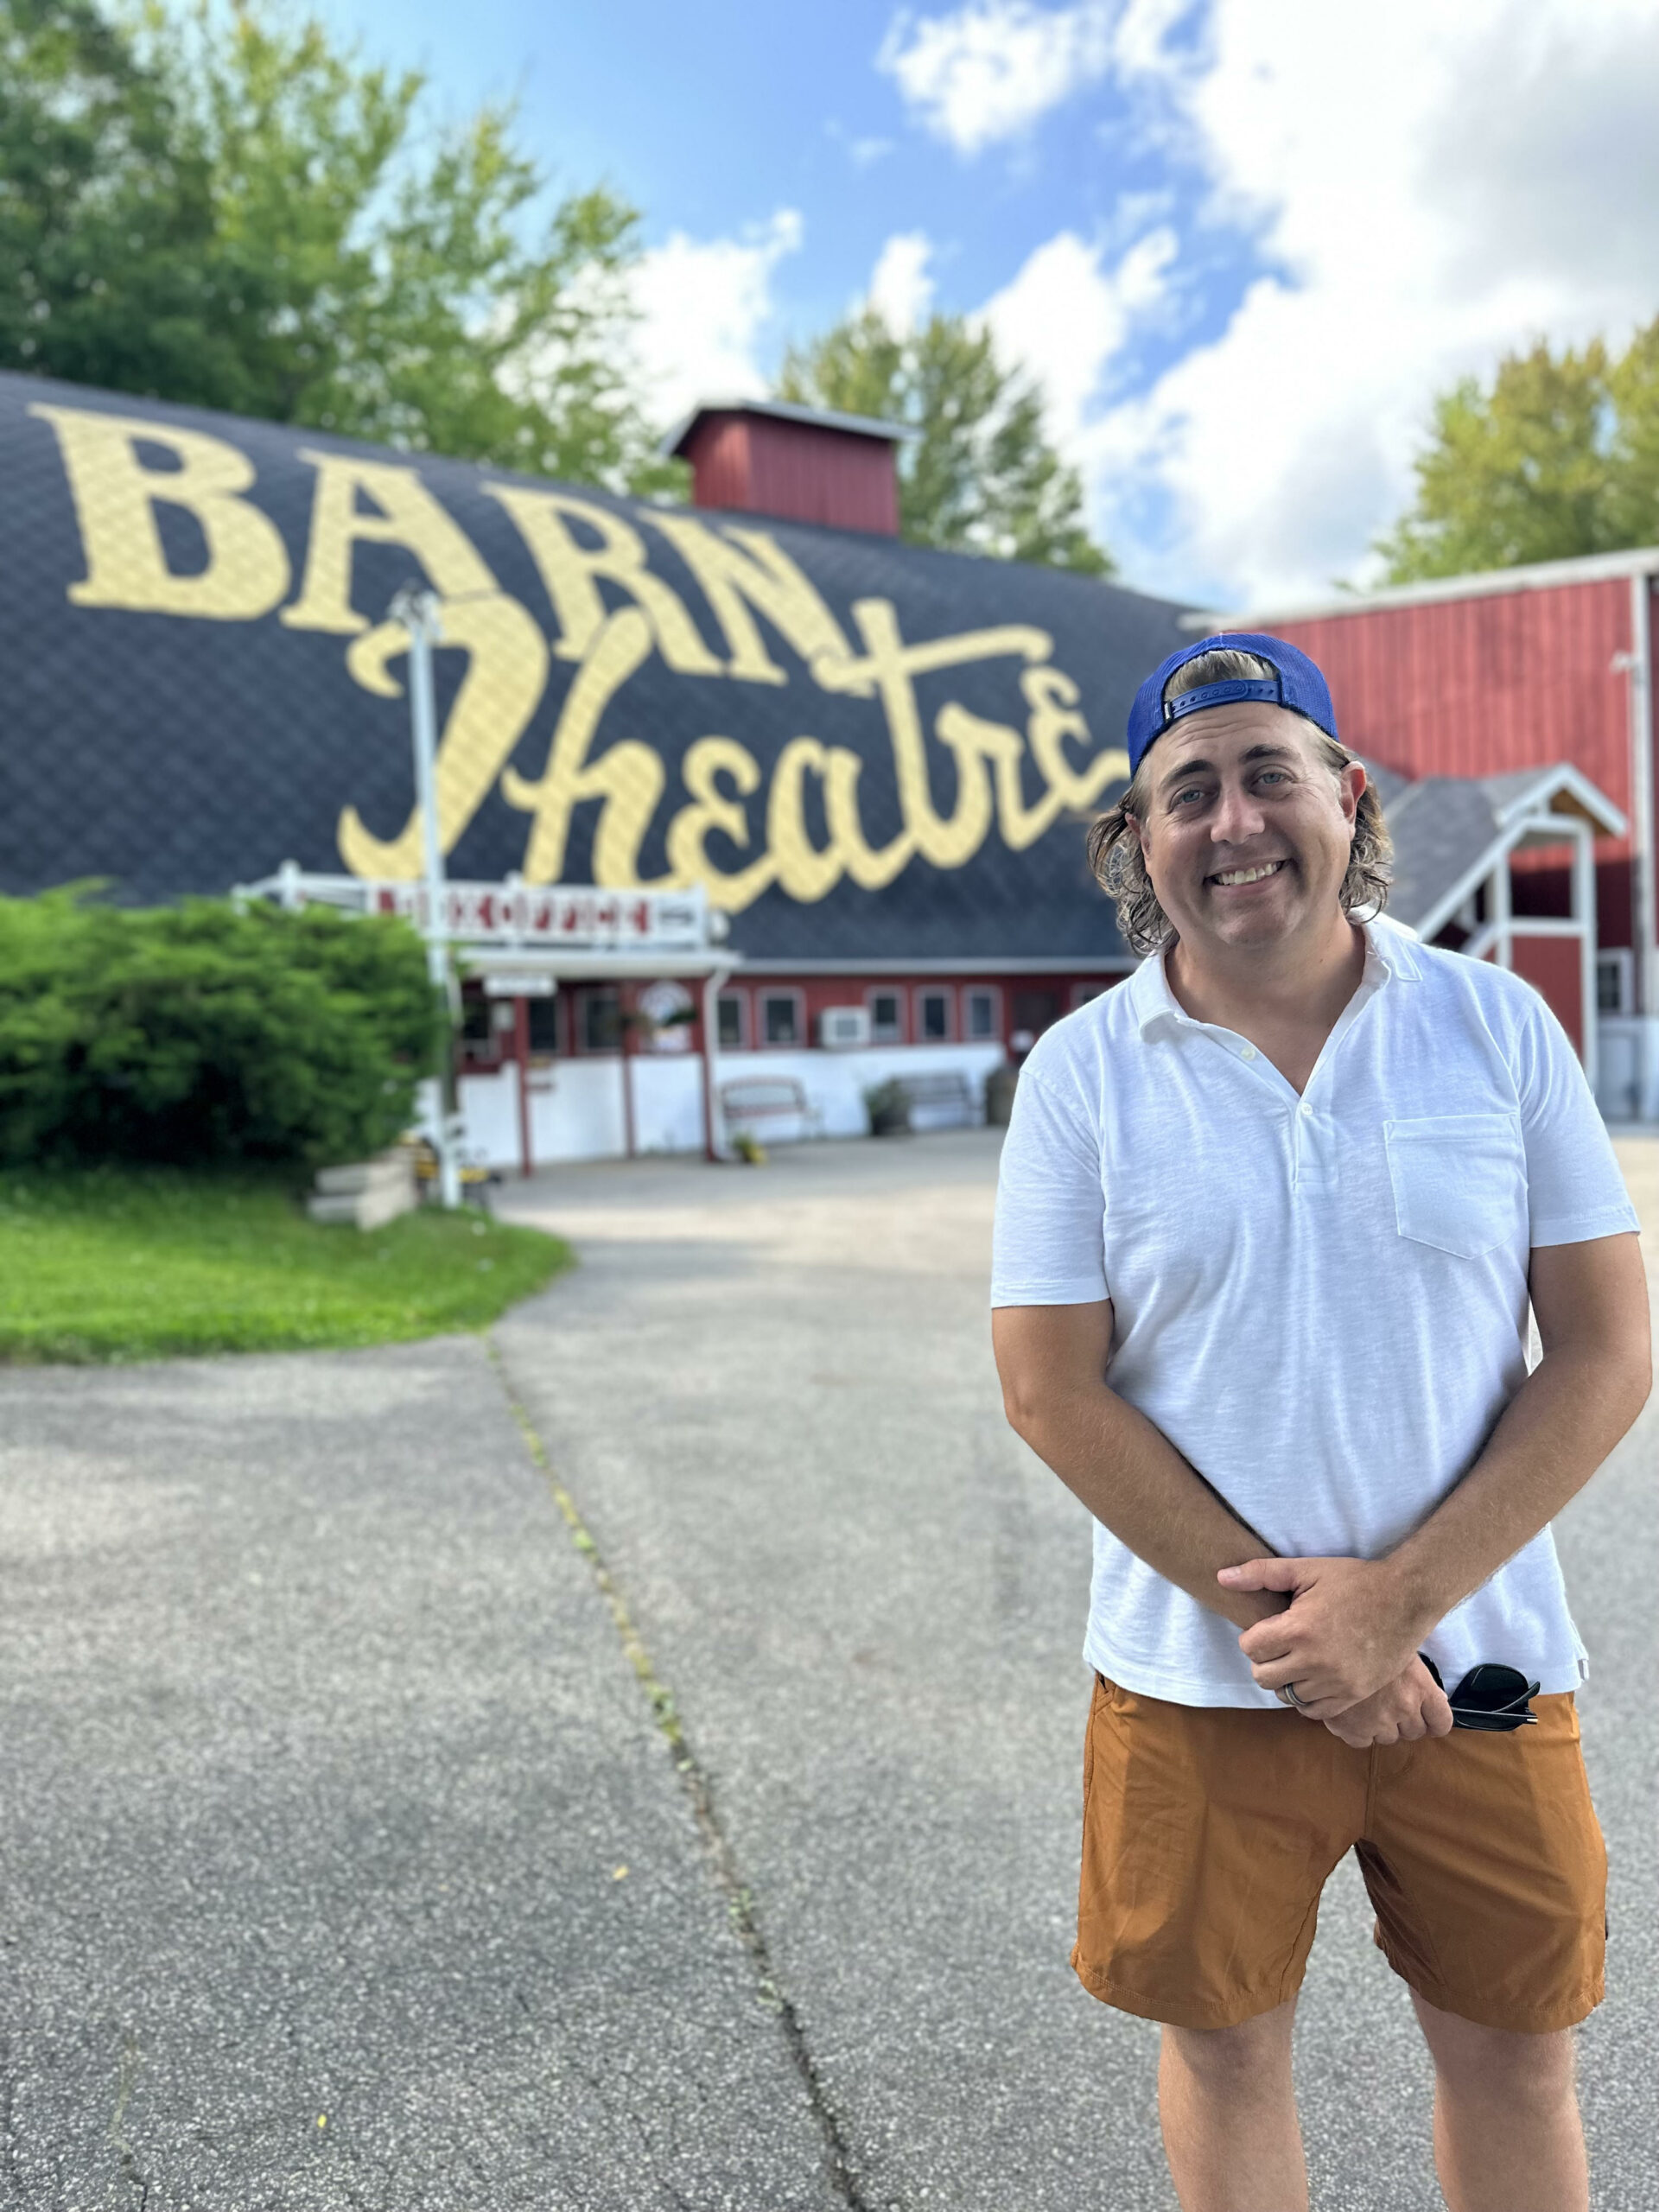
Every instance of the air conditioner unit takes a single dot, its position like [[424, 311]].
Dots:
[[842, 1027]]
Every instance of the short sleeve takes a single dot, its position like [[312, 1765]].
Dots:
[[1574, 1189], [1050, 1244]]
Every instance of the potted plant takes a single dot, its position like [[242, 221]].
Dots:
[[887, 1106]]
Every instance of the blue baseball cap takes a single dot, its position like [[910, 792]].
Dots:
[[1296, 682]]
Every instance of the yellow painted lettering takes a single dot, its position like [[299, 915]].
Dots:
[[1052, 698], [805, 873], [115, 495], [408, 515], [628, 777], [970, 738], [740, 569], [711, 810], [887, 668], [506, 672], [571, 573], [869, 867]]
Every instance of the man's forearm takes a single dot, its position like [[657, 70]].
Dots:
[[1134, 1481], [1554, 1434]]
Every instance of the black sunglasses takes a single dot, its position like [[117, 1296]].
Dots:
[[1490, 1696]]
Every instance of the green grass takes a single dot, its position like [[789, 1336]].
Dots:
[[136, 1264]]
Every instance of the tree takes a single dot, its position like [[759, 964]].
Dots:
[[981, 476], [197, 1033], [230, 210], [1560, 457]]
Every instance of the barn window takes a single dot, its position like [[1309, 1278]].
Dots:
[[543, 1025], [780, 1017], [1615, 981], [886, 1018], [933, 1016], [601, 1021], [979, 1010], [734, 1021]]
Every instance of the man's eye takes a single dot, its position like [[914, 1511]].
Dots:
[[1273, 776], [1181, 797]]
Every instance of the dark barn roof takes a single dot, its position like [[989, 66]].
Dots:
[[867, 750]]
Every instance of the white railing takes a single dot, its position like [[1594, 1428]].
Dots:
[[576, 917]]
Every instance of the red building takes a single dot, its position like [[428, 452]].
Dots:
[[1486, 677]]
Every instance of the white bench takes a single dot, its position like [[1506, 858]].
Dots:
[[944, 1098], [752, 1099]]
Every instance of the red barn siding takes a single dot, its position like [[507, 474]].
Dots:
[[1553, 966], [1474, 687], [802, 472]]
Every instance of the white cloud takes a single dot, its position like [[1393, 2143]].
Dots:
[[1437, 186], [704, 305], [901, 291], [993, 68], [1066, 315]]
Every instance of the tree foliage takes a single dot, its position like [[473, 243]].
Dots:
[[224, 207], [199, 1035], [1560, 457], [980, 476]]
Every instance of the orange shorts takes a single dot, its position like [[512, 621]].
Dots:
[[1208, 1833]]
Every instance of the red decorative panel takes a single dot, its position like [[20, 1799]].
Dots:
[[1552, 965]]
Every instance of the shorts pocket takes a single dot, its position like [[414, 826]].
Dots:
[[1460, 1180]]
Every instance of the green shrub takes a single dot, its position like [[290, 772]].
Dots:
[[196, 1033]]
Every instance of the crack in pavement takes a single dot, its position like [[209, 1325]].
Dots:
[[127, 2067], [739, 1900]]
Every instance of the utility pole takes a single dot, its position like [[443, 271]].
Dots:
[[420, 612]]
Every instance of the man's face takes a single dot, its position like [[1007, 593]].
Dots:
[[1247, 833]]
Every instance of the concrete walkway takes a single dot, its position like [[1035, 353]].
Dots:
[[331, 1717]]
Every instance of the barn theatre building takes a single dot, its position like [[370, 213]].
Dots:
[[742, 801]]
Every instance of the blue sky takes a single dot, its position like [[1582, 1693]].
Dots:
[[1240, 242]]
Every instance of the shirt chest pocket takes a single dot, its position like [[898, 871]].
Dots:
[[1460, 1180]]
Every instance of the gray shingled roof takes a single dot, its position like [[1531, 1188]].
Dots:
[[1444, 826]]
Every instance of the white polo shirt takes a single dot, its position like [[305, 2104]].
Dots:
[[1321, 1301]]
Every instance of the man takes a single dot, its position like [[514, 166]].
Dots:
[[1270, 1218]]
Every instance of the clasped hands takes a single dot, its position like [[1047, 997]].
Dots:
[[1348, 1641]]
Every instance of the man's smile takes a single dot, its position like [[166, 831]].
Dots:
[[1232, 875]]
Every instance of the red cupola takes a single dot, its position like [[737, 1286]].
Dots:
[[801, 464]]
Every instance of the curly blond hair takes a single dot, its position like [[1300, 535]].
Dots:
[[1113, 847]]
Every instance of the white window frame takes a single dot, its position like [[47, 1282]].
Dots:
[[896, 993], [919, 1021], [764, 993], [735, 995], [966, 996]]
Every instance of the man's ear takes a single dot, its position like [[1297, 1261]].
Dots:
[[1139, 827], [1351, 783]]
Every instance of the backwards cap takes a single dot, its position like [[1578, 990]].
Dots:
[[1296, 682]]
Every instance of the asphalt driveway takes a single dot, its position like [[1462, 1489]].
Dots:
[[636, 1766]]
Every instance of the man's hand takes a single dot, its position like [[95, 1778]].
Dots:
[[1349, 1630], [1412, 1706]]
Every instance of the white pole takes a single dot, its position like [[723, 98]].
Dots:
[[420, 612], [1584, 913], [1645, 902]]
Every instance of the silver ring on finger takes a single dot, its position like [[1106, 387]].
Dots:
[[1287, 1696]]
